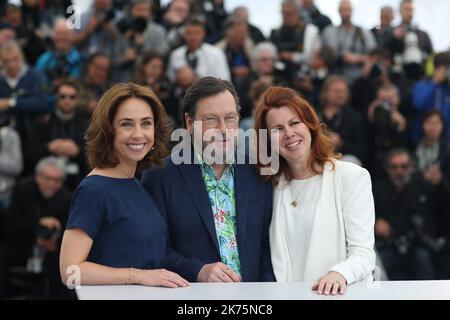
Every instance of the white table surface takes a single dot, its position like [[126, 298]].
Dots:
[[383, 290]]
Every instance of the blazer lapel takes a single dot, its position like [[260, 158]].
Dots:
[[194, 183], [241, 193]]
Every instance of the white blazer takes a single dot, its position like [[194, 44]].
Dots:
[[342, 235]]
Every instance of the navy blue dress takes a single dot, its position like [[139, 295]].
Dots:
[[123, 221]]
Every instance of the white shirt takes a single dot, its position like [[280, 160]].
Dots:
[[211, 61], [13, 82], [341, 235], [298, 221]]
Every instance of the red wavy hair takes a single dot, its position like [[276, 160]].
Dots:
[[322, 149]]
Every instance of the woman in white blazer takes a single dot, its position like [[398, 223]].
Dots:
[[323, 219]]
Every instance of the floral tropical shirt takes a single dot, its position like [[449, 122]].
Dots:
[[223, 203]]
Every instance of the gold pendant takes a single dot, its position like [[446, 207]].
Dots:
[[294, 203]]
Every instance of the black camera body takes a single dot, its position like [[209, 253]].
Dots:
[[46, 233], [376, 71], [109, 15], [60, 70], [416, 235], [136, 25], [382, 113]]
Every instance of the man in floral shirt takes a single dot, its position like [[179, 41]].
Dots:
[[217, 209]]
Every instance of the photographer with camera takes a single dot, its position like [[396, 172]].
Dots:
[[377, 71], [295, 40], [387, 127], [351, 43], [64, 60], [33, 226], [60, 134], [139, 34], [409, 46], [98, 31], [311, 77], [434, 93], [346, 127], [404, 227]]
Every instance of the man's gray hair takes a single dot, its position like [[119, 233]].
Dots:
[[11, 45], [50, 161], [260, 48], [294, 3]]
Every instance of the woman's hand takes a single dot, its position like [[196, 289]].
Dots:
[[161, 278], [331, 283]]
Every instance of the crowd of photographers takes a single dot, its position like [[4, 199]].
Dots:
[[383, 93]]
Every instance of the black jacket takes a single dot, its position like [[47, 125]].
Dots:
[[51, 127], [27, 207]]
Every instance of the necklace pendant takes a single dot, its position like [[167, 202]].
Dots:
[[294, 203]]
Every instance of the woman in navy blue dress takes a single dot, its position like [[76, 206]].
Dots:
[[115, 233]]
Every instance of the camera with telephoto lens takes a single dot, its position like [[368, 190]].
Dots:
[[432, 243], [60, 69], [376, 71], [382, 113], [136, 25], [46, 233]]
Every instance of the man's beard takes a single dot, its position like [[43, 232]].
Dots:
[[401, 182], [217, 154]]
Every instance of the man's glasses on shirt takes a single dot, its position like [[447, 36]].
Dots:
[[67, 96]]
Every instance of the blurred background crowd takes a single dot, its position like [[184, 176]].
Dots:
[[384, 93]]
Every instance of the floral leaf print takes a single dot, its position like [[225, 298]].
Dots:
[[222, 200]]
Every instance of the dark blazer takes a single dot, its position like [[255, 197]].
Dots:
[[31, 99], [180, 194]]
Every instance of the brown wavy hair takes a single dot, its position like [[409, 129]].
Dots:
[[99, 136], [322, 149]]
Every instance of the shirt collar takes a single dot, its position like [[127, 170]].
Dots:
[[203, 164], [19, 75]]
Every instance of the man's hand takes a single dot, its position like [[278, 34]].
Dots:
[[130, 55], [241, 71], [433, 174], [64, 147], [399, 33], [49, 245], [399, 120], [382, 228], [4, 104], [336, 140], [50, 223], [353, 58], [93, 23], [56, 146], [217, 272], [287, 56]]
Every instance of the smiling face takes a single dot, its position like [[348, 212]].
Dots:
[[290, 135], [219, 121], [133, 131]]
